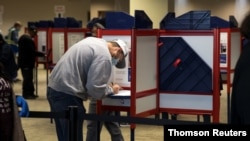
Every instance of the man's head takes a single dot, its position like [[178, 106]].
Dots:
[[32, 30], [18, 25], [118, 50]]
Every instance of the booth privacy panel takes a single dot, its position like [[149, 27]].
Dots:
[[58, 46], [146, 60], [186, 101], [181, 68]]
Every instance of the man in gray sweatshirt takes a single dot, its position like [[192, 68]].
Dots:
[[112, 127], [83, 71]]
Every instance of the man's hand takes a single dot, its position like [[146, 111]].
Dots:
[[116, 88]]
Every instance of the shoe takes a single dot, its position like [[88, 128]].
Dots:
[[15, 80], [124, 124], [30, 97], [174, 116]]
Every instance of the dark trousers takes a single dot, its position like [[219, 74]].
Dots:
[[6, 127], [59, 102], [28, 85]]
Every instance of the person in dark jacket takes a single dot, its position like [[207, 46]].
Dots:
[[240, 112], [7, 58], [26, 61], [10, 122]]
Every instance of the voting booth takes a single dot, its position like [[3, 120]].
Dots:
[[196, 47], [230, 50], [60, 39], [139, 78], [189, 72], [54, 42]]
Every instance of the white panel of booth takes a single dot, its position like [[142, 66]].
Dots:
[[58, 46], [146, 72], [186, 101], [235, 50], [42, 41], [224, 49], [42, 44], [74, 37], [146, 75], [146, 103]]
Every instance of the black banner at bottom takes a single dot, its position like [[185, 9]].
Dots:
[[209, 130]]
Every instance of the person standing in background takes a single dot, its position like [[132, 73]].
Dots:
[[26, 61], [13, 35], [12, 40], [240, 101]]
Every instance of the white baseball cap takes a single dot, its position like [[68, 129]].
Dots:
[[123, 46], [125, 50]]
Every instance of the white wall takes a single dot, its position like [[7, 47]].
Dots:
[[108, 5], [220, 8], [36, 10], [100, 5], [155, 9]]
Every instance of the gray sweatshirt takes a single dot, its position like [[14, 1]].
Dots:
[[84, 70]]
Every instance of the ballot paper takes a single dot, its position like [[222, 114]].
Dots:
[[122, 94]]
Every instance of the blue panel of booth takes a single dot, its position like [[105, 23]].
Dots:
[[60, 22], [119, 20], [217, 22], [45, 24], [73, 23], [142, 21], [181, 68], [192, 20], [196, 20]]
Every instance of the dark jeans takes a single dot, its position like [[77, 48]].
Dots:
[[14, 48], [6, 127], [28, 85], [59, 102]]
